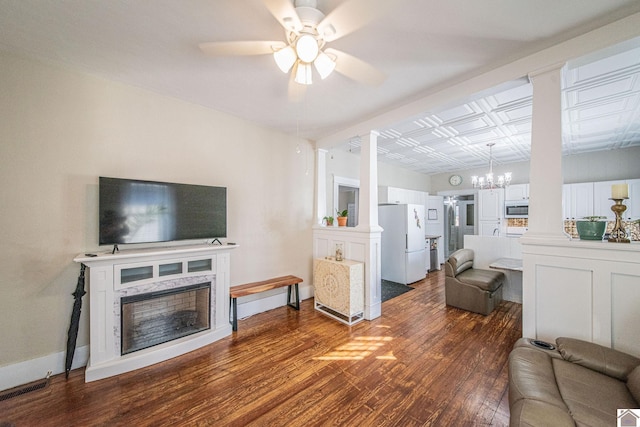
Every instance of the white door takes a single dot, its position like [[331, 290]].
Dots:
[[415, 227]]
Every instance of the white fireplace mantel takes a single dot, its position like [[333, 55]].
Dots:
[[107, 279]]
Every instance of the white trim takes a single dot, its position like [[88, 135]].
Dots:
[[37, 369]]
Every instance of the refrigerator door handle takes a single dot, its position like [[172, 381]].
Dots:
[[406, 242]]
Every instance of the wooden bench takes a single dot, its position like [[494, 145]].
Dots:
[[266, 285]]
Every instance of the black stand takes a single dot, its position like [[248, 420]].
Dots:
[[115, 249], [216, 240]]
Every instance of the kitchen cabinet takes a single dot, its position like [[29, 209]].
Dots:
[[601, 196], [577, 200], [516, 192], [491, 204], [490, 212], [397, 195], [633, 204]]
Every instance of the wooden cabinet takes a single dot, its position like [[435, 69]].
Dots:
[[339, 289], [516, 192]]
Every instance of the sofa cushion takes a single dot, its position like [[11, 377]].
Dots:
[[633, 384], [488, 280], [534, 413], [592, 398], [461, 260], [593, 356], [531, 377]]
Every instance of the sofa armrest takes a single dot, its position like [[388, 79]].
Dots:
[[599, 358]]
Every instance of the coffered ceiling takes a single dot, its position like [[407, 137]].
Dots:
[[419, 45], [601, 111]]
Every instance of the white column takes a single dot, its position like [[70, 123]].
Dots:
[[368, 225], [545, 188], [321, 185], [368, 199]]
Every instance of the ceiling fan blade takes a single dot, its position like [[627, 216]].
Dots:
[[352, 15], [285, 13], [241, 48], [356, 69]]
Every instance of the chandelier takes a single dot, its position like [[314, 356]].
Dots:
[[303, 50], [489, 181]]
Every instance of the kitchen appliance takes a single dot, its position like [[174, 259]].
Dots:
[[403, 252], [516, 209]]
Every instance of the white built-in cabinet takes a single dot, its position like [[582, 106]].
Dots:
[[516, 192], [593, 198], [577, 200], [396, 195], [490, 212]]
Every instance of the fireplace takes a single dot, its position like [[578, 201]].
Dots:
[[157, 317], [150, 305]]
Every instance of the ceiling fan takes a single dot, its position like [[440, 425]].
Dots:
[[308, 31]]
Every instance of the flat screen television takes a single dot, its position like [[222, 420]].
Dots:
[[135, 211]]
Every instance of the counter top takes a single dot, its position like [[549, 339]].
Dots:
[[432, 236], [514, 264]]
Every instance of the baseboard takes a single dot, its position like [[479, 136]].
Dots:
[[36, 369]]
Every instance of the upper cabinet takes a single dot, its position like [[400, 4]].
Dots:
[[594, 198], [516, 192], [491, 204], [396, 195], [577, 200]]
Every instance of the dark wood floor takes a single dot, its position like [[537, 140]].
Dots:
[[421, 363]]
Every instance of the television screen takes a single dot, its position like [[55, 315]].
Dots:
[[134, 211]]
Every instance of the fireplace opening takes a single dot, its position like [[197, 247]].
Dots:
[[158, 317]]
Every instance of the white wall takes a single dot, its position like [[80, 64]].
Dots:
[[60, 130], [587, 167], [347, 165]]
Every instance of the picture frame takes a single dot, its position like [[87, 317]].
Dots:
[[432, 214]]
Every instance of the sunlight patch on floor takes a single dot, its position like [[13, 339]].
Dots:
[[358, 349]]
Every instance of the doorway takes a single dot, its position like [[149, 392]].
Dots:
[[346, 193], [460, 213]]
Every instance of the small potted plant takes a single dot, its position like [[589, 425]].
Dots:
[[342, 217], [328, 220], [591, 227]]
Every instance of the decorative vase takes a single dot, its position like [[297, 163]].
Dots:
[[342, 221], [591, 230]]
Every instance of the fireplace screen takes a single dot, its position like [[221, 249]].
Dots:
[[158, 317]]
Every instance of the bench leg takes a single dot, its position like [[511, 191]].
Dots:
[[233, 303], [289, 302]]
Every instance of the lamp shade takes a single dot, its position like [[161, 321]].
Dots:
[[324, 64], [285, 58], [303, 74], [307, 48]]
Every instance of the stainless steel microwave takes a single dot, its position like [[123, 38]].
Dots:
[[519, 209]]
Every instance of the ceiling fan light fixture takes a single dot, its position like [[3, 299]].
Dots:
[[307, 48], [324, 64], [285, 58], [303, 74]]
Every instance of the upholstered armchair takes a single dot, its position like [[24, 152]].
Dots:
[[470, 288]]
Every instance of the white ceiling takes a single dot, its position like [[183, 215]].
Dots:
[[419, 45]]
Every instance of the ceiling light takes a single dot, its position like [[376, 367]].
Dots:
[[324, 64], [285, 58], [303, 74], [307, 48], [488, 180]]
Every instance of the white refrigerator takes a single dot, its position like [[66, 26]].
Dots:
[[403, 252]]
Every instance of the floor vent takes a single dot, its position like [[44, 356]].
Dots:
[[26, 388]]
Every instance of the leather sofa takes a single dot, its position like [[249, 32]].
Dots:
[[575, 383], [470, 288]]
